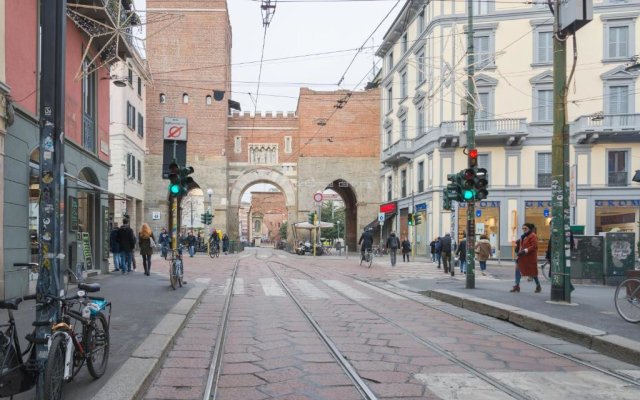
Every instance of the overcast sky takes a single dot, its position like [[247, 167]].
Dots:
[[298, 28]]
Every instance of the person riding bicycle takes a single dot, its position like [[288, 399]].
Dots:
[[366, 240], [214, 239]]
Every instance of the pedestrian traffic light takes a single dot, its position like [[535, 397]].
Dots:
[[417, 219], [481, 181], [410, 219]]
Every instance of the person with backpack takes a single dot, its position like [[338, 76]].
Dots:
[[115, 247], [406, 249], [127, 242], [462, 253], [432, 248], [392, 244], [438, 247], [445, 254]]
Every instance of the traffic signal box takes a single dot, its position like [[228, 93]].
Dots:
[[467, 185], [312, 218], [410, 219], [417, 219], [206, 218], [179, 180]]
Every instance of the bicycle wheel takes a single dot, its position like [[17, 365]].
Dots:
[[545, 273], [179, 271], [627, 300], [211, 250], [173, 281], [369, 259], [54, 370], [96, 345]]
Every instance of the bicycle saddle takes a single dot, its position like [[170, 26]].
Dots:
[[89, 287], [10, 304]]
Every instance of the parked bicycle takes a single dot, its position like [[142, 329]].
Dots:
[[627, 299], [367, 258], [544, 271], [176, 268], [380, 251]]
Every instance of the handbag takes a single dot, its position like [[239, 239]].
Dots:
[[152, 242]]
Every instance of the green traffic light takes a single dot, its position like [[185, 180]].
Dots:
[[174, 189], [468, 194]]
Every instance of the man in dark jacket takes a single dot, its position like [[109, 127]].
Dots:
[[392, 244], [445, 253], [115, 247], [127, 242], [406, 249], [366, 242], [432, 248], [462, 253]]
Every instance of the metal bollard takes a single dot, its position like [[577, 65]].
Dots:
[[346, 252]]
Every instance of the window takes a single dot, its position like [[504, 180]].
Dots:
[[131, 116], [139, 86], [139, 171], [483, 56], [163, 98], [421, 22], [404, 85], [543, 170], [421, 176], [482, 7], [485, 106], [618, 100], [403, 128], [617, 167], [544, 105], [390, 98], [130, 76], [420, 120], [389, 188], [131, 166], [140, 125], [287, 144], [207, 100], [483, 161], [388, 137], [185, 98], [390, 62], [89, 107], [543, 48], [618, 43], [420, 68], [405, 43], [403, 182]]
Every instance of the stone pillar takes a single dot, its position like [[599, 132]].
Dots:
[[233, 222]]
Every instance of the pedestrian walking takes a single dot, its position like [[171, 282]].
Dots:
[[527, 260], [432, 248], [483, 250], [461, 252], [438, 247], [191, 243], [163, 241], [406, 249], [445, 253], [127, 242], [146, 242], [339, 247], [225, 243], [114, 246], [392, 244]]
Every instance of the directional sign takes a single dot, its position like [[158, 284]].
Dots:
[[175, 128], [317, 197], [381, 217]]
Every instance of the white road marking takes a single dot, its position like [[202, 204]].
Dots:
[[271, 287], [308, 290], [461, 387], [238, 287], [381, 291], [346, 290]]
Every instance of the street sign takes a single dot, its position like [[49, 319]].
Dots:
[[175, 129], [381, 217], [155, 215], [545, 212], [317, 197]]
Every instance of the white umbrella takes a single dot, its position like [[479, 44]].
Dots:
[[306, 225]]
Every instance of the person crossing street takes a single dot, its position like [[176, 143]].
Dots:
[[392, 244]]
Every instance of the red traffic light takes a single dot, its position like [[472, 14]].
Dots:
[[473, 153]]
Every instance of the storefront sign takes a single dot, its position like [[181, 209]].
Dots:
[[105, 233], [482, 204], [421, 207], [538, 203], [389, 208], [73, 214], [617, 203]]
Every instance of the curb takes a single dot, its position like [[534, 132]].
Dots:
[[136, 374], [615, 346]]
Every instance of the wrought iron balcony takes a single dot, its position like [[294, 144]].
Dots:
[[89, 133], [509, 131], [618, 179], [398, 153], [603, 127]]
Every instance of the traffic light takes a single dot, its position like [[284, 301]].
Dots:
[[203, 219], [446, 201], [481, 182], [174, 179], [410, 219], [312, 218], [417, 219], [468, 184]]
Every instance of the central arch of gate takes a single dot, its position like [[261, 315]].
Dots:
[[251, 177]]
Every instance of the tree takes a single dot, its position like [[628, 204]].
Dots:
[[333, 212], [283, 230]]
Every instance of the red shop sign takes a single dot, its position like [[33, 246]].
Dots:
[[388, 208]]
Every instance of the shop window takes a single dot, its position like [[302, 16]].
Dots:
[[538, 212], [543, 170], [403, 182], [617, 168], [487, 222], [421, 177], [615, 216]]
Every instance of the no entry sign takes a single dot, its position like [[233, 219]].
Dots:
[[175, 128]]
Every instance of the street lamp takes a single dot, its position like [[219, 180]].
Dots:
[[210, 193], [338, 223]]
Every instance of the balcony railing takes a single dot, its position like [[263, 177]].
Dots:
[[393, 152], [606, 122], [617, 178], [487, 126]]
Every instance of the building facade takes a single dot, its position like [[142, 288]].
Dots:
[[87, 153], [423, 128]]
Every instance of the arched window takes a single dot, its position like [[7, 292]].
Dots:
[[185, 98], [163, 98], [207, 100]]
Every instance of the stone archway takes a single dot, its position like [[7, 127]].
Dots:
[[250, 178], [350, 199]]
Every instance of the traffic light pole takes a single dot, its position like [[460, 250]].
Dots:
[[560, 239], [471, 144]]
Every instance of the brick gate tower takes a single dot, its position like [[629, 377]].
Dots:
[[188, 50]]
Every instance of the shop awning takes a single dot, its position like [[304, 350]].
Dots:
[[375, 223], [90, 187]]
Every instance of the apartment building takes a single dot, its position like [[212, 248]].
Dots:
[[423, 128]]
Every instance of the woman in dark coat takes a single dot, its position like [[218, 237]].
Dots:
[[146, 250], [225, 243], [527, 261]]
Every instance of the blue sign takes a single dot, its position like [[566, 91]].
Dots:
[[421, 207], [478, 213], [546, 212]]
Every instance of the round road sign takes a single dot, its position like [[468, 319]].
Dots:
[[317, 197]]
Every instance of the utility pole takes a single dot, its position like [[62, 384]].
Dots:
[[471, 144], [51, 205], [560, 231], [413, 226]]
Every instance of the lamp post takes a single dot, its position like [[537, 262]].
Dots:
[[338, 223]]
